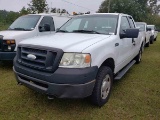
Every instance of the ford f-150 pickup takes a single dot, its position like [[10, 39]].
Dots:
[[82, 59], [146, 32]]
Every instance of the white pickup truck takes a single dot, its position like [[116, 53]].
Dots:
[[146, 32], [154, 32], [28, 26], [82, 59]]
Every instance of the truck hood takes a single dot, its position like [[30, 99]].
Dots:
[[68, 42], [11, 34]]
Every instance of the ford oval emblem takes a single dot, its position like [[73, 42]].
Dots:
[[31, 56]]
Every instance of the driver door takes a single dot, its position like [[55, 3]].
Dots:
[[124, 56]]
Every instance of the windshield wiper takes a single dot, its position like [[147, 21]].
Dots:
[[65, 31], [86, 31]]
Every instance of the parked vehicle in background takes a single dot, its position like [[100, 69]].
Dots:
[[82, 59], [154, 33], [146, 32], [26, 27]]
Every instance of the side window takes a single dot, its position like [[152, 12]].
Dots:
[[47, 22], [124, 24], [131, 22]]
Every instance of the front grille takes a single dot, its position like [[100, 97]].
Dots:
[[45, 59]]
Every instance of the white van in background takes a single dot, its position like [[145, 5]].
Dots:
[[26, 27]]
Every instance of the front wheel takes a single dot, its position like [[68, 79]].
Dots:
[[103, 86]]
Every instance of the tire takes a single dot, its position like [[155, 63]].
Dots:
[[147, 44], [138, 58], [155, 39], [143, 46], [151, 40], [103, 86]]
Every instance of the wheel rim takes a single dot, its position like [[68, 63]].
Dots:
[[106, 85]]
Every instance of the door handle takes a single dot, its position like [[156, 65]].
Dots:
[[133, 41]]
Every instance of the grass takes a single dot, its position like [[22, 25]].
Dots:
[[136, 96]]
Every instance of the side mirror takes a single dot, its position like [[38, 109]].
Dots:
[[130, 33], [149, 29], [44, 28], [47, 27]]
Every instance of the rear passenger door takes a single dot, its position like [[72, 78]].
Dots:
[[46, 26], [135, 41]]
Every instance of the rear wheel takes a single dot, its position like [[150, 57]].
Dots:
[[155, 39], [103, 86], [139, 56], [147, 44], [151, 40]]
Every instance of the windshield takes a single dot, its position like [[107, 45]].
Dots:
[[140, 26], [150, 26], [27, 23], [91, 24]]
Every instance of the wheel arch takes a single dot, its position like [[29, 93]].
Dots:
[[110, 63]]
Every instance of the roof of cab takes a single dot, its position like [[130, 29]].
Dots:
[[103, 14], [53, 14], [141, 22], [150, 25]]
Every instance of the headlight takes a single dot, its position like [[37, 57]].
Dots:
[[75, 60]]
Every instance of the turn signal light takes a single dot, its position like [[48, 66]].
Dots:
[[10, 42], [87, 59]]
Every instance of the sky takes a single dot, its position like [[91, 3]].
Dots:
[[72, 6]]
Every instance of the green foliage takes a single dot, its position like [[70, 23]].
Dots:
[[6, 18], [154, 6], [3, 26], [141, 10], [24, 11], [125, 6], [38, 6]]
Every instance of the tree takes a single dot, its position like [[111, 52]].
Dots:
[[38, 6], [126, 6], [63, 11], [53, 10], [154, 6], [58, 10], [24, 11]]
